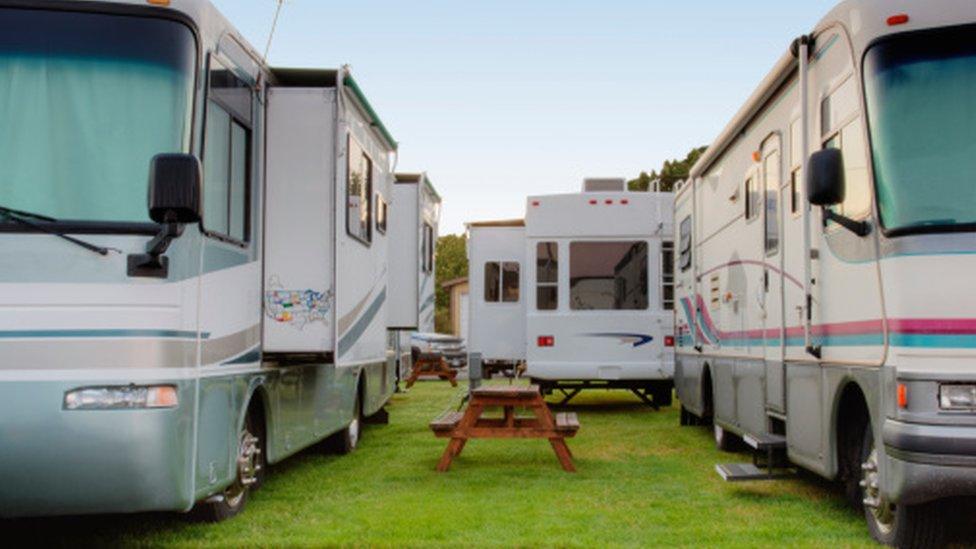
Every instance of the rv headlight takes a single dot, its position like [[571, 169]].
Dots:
[[957, 397], [121, 398]]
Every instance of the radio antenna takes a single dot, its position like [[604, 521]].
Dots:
[[274, 25]]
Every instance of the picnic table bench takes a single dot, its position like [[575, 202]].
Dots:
[[461, 426], [431, 364]]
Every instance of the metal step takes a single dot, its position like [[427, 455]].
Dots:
[[743, 472], [767, 441]]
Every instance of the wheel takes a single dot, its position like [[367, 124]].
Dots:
[[724, 440], [346, 440], [916, 526], [251, 463], [685, 418]]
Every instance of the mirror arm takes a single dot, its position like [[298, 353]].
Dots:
[[153, 264], [860, 228]]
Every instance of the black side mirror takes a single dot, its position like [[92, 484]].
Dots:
[[174, 188], [825, 179]]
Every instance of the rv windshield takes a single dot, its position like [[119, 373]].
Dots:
[[86, 100], [922, 111]]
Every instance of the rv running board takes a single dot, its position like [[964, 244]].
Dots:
[[765, 442], [743, 472]]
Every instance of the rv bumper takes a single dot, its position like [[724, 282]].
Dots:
[[929, 462], [67, 462]]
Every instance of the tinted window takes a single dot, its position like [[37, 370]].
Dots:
[[667, 275], [493, 278], [510, 282], [771, 169], [381, 212], [608, 275], [547, 276]]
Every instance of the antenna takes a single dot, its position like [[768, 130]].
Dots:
[[274, 25]]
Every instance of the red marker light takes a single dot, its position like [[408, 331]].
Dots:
[[535, 202], [608, 201], [593, 202], [669, 341], [902, 395], [625, 202], [899, 19], [546, 341]]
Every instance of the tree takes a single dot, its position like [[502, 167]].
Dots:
[[452, 263], [672, 171]]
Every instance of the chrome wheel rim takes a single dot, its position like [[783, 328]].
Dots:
[[248, 466], [880, 510]]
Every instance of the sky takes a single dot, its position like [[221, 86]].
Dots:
[[499, 99]]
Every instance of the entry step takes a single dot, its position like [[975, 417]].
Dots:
[[766, 441], [742, 472]]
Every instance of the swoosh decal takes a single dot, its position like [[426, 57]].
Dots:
[[635, 340], [347, 340]]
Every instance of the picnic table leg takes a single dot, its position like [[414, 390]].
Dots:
[[562, 452], [460, 447], [453, 449]]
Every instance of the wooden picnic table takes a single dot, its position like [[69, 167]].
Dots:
[[431, 364], [461, 426]]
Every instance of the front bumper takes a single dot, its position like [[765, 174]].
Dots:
[[928, 462], [58, 462]]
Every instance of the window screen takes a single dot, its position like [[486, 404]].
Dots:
[[608, 276]]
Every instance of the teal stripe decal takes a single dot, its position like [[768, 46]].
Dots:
[[45, 334], [352, 336], [251, 356]]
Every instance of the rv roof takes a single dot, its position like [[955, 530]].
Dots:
[[416, 178], [497, 223]]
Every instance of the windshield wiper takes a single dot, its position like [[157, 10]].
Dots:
[[24, 218]]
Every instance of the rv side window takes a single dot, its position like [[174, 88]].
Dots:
[[428, 249], [227, 156], [381, 212], [493, 279], [771, 176], [841, 128], [359, 193], [667, 275], [753, 199], [510, 282], [796, 165], [608, 276], [685, 243], [547, 276]]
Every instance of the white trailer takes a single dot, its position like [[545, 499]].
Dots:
[[496, 322], [599, 312], [414, 222], [826, 249]]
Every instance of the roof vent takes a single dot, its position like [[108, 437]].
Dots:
[[604, 185]]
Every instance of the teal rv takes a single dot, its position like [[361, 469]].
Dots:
[[193, 252]]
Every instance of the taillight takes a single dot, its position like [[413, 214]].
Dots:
[[546, 341], [669, 341], [899, 19]]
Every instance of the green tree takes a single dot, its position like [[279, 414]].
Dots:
[[672, 171], [452, 263]]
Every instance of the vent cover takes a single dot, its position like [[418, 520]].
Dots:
[[604, 185]]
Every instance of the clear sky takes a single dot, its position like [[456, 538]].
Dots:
[[498, 99]]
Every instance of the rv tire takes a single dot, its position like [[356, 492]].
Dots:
[[250, 463], [347, 440], [662, 395], [724, 440], [917, 526]]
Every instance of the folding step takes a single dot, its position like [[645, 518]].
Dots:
[[743, 472], [766, 441]]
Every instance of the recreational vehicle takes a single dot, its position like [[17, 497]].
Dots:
[[600, 296], [158, 358], [496, 323], [824, 244], [414, 218]]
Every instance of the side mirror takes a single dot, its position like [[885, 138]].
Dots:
[[174, 188], [825, 180]]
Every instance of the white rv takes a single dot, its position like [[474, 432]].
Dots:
[[825, 248], [157, 359], [496, 321], [414, 219], [599, 313]]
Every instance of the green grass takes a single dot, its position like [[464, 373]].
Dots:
[[642, 481]]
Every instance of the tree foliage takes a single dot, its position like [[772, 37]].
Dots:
[[671, 172], [452, 263]]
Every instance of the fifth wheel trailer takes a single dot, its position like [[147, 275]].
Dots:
[[824, 259], [158, 358]]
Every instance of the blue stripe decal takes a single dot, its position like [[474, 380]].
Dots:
[[253, 355], [635, 340], [427, 303], [138, 334], [352, 336]]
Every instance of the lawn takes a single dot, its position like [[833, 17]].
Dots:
[[642, 480]]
